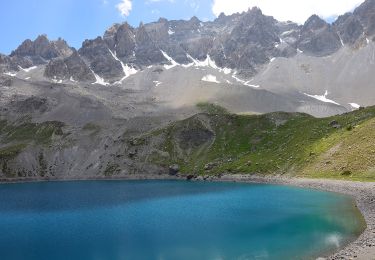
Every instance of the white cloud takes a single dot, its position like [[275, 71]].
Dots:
[[125, 6], [296, 10]]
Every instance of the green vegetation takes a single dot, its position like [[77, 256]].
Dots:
[[11, 151], [111, 170], [16, 137], [212, 109], [340, 147], [38, 133]]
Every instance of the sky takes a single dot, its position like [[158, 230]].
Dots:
[[77, 20]]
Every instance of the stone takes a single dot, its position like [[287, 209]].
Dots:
[[174, 169]]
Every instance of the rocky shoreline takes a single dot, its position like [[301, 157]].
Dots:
[[363, 192]]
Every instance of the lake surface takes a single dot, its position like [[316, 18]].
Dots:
[[171, 220]]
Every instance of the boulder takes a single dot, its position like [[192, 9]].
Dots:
[[335, 124], [174, 169]]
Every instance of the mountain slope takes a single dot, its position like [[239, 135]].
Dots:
[[210, 143], [276, 143]]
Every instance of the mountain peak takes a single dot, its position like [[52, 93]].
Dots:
[[255, 10], [162, 20], [194, 19], [314, 22], [42, 49]]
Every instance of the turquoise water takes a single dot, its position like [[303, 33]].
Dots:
[[170, 220]]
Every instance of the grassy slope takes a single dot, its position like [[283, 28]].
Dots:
[[15, 138], [280, 143]]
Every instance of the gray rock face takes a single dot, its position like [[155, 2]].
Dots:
[[318, 38], [73, 68], [13, 63], [173, 37], [121, 40], [57, 69], [5, 63], [42, 50], [97, 54], [250, 43], [255, 28], [349, 28], [5, 81], [147, 52], [366, 14]]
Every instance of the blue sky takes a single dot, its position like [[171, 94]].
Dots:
[[77, 20]]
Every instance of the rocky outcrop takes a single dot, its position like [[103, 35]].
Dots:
[[72, 68], [147, 52], [121, 40], [13, 63], [366, 14], [42, 50], [349, 28], [250, 43], [357, 26], [318, 38], [97, 54]]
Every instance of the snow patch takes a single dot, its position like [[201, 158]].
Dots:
[[323, 98], [243, 82], [157, 83], [247, 83], [27, 78], [172, 61], [354, 105], [226, 71], [273, 59], [208, 63], [299, 51], [10, 74], [342, 42], [28, 69], [57, 81], [210, 78], [72, 80], [287, 32], [170, 32], [99, 80], [128, 71]]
